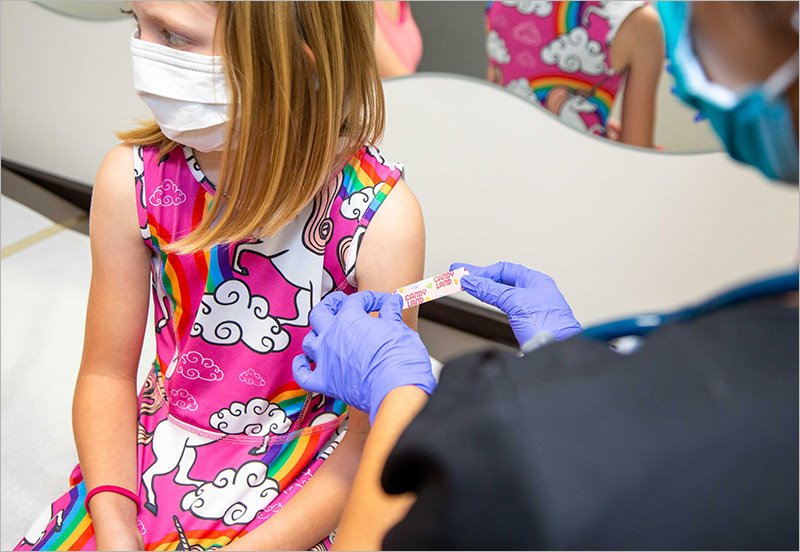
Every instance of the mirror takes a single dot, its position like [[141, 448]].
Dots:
[[98, 11], [459, 37], [550, 38]]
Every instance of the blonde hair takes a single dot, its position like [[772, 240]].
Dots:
[[305, 96]]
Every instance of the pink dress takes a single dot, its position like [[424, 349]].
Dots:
[[558, 54], [402, 35], [226, 437]]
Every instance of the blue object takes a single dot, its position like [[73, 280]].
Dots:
[[755, 125], [533, 303], [360, 358], [643, 324]]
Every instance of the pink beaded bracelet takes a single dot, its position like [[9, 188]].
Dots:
[[112, 489]]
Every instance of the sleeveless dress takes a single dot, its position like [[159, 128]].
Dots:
[[226, 437], [558, 54]]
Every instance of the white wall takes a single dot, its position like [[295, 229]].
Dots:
[[65, 87]]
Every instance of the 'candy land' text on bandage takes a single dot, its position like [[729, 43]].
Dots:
[[431, 288]]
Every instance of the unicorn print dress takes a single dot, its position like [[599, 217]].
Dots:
[[226, 437], [558, 54]]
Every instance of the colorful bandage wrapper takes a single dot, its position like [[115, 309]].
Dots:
[[431, 288]]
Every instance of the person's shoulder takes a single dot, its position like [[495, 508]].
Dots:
[[640, 39], [641, 27], [118, 157], [375, 186], [116, 172], [114, 215]]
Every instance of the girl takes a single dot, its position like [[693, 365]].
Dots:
[[249, 198], [572, 57]]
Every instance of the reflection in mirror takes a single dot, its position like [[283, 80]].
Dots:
[[575, 59], [85, 10]]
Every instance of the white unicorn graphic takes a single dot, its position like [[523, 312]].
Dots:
[[296, 251], [569, 106]]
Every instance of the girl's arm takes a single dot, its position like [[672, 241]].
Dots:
[[392, 254], [104, 408], [639, 48]]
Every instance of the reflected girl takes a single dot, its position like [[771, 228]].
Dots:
[[573, 58]]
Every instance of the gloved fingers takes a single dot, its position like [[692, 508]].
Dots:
[[485, 289], [511, 274], [364, 301], [305, 377], [323, 314], [392, 308], [501, 272], [310, 342], [472, 269], [568, 326]]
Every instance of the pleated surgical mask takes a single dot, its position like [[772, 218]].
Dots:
[[185, 91], [755, 124]]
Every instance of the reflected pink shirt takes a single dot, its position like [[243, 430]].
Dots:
[[403, 35]]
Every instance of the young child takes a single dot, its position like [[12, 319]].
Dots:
[[248, 199]]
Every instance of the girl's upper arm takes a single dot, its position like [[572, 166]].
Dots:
[[119, 295], [392, 253], [639, 49]]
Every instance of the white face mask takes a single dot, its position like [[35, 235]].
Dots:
[[185, 91]]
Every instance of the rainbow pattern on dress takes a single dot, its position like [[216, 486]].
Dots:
[[567, 17], [359, 174], [602, 96]]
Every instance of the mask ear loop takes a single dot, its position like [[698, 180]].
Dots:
[[787, 73], [783, 77]]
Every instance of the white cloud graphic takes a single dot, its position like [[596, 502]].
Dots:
[[231, 314], [527, 33], [251, 377], [356, 205], [376, 153], [182, 399], [257, 417], [235, 497], [167, 194], [575, 52], [521, 87], [541, 8], [194, 366], [496, 48]]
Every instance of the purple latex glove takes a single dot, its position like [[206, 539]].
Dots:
[[530, 299], [360, 358]]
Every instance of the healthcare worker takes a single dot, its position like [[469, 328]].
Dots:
[[684, 436]]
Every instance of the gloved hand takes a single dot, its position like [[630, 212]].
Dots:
[[530, 299], [360, 358]]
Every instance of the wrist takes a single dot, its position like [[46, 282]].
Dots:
[[113, 509]]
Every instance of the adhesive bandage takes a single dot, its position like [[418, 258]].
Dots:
[[431, 288]]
